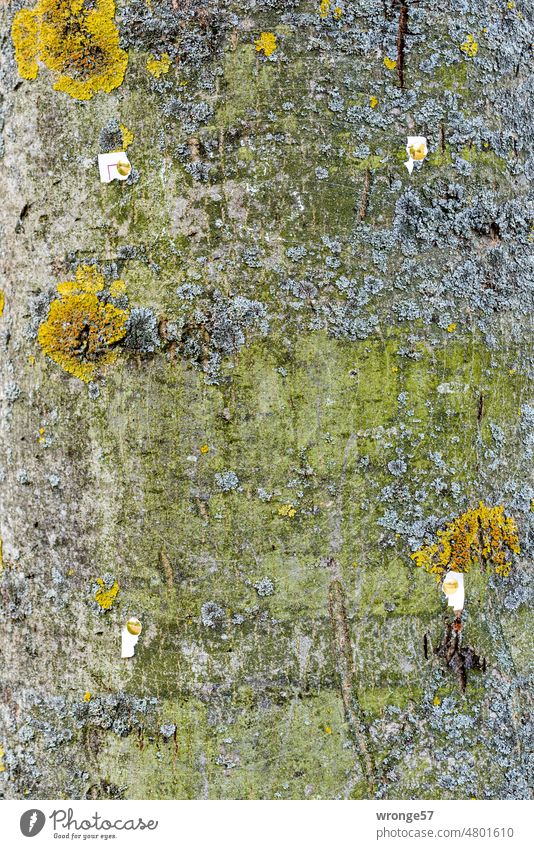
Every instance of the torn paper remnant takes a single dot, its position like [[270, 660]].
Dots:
[[453, 587], [113, 166], [129, 636], [416, 150]]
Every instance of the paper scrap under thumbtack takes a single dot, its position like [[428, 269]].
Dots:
[[453, 587], [416, 150], [129, 636], [113, 166]]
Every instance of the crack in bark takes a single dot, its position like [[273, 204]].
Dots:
[[401, 42], [364, 203], [167, 569], [442, 143], [345, 668], [480, 408]]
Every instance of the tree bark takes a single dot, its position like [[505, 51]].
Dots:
[[326, 359]]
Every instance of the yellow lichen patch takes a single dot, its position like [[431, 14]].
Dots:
[[373, 101], [127, 136], [266, 43], [390, 63], [2, 302], [160, 66], [469, 47], [204, 449], [87, 696], [451, 328], [81, 331], [324, 10], [87, 279], [117, 288], [483, 535], [287, 510], [2, 753], [79, 43], [104, 596], [25, 38]]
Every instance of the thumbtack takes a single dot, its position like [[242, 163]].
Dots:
[[113, 166], [416, 149], [129, 637]]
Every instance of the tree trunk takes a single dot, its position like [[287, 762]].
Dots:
[[315, 360]]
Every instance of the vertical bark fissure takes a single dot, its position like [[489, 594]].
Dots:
[[345, 668], [341, 633], [401, 42]]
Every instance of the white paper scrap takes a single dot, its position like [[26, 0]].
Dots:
[[129, 636], [113, 166]]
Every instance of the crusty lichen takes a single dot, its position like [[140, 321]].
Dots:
[[105, 595], [81, 331], [160, 66], [287, 510], [266, 43], [482, 536], [127, 136], [469, 46], [324, 10], [79, 43], [87, 280]]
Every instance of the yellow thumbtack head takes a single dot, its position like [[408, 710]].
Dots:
[[450, 586], [134, 626], [124, 168], [417, 152]]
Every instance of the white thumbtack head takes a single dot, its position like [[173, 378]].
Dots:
[[113, 166], [453, 587], [129, 636], [416, 150]]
